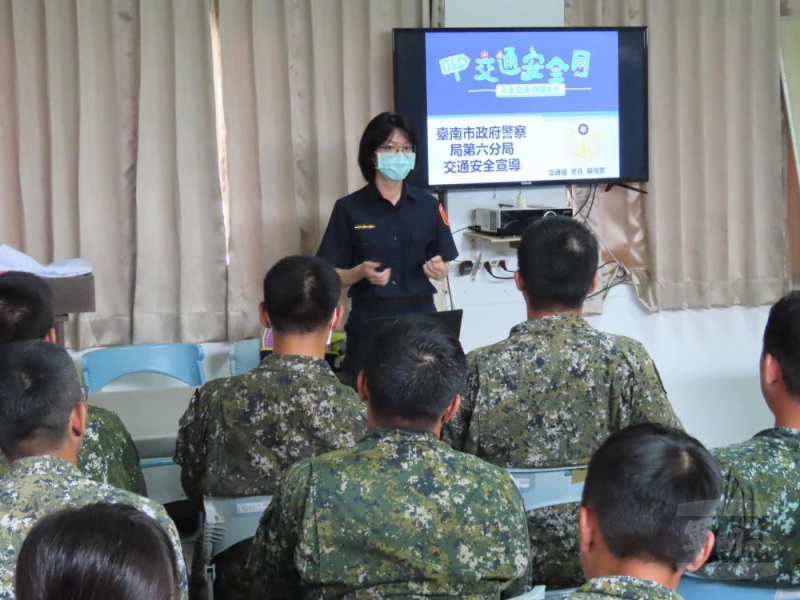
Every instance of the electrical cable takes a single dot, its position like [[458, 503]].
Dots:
[[488, 269]]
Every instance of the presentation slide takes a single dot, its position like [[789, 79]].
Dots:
[[522, 106]]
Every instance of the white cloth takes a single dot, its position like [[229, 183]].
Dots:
[[14, 260]]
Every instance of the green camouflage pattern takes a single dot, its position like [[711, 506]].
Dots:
[[549, 396], [402, 515], [629, 588], [39, 485], [758, 522], [108, 454], [241, 433]]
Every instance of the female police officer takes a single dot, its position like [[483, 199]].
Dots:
[[387, 239]]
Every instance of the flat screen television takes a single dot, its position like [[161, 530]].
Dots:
[[518, 107]]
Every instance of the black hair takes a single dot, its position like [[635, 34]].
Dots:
[[557, 260], [782, 339], [301, 293], [377, 132], [414, 369], [26, 307], [38, 390], [97, 551], [654, 490]]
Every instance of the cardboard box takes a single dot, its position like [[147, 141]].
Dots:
[[72, 294]]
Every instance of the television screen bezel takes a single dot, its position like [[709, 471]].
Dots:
[[419, 177]]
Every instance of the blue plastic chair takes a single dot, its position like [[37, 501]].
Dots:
[[181, 361], [245, 356], [693, 587], [549, 487], [537, 593]]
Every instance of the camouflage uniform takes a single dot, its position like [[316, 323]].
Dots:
[[549, 396], [108, 454], [758, 522], [39, 485], [401, 514], [630, 588], [239, 434]]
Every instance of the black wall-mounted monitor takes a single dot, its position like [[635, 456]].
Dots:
[[512, 107]]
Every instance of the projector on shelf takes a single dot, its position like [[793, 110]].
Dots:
[[512, 221]]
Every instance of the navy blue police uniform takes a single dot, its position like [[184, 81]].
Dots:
[[364, 226]]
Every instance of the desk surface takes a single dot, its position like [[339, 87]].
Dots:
[[151, 416]]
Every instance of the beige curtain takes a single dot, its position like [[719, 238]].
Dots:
[[301, 79], [107, 151], [790, 8], [712, 230]]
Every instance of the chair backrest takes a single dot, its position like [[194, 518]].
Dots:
[[549, 487], [559, 593], [229, 521], [181, 361], [693, 587], [245, 356], [537, 593]]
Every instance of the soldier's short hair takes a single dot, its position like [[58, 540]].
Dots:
[[782, 339], [654, 490], [26, 310], [414, 368], [97, 551], [557, 259], [38, 390], [301, 293]]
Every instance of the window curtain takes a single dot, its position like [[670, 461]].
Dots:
[[712, 230], [108, 152], [300, 81]]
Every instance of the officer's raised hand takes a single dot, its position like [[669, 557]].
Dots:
[[435, 268], [375, 277]]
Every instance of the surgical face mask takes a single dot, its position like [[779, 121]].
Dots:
[[396, 166]]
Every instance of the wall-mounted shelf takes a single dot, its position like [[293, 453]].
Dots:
[[494, 239]]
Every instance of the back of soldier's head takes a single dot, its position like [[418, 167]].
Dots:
[[111, 551], [653, 490], [782, 339], [26, 311], [301, 294], [557, 259], [38, 390], [414, 369]]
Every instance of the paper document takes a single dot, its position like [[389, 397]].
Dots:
[[14, 260]]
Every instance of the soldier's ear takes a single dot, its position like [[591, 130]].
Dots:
[[361, 385], [51, 336], [703, 555], [263, 316], [587, 529], [595, 281], [518, 281], [77, 421], [339, 312], [452, 409], [771, 372]]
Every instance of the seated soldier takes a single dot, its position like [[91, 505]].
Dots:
[[401, 514], [239, 434], [108, 454], [552, 392], [758, 522], [42, 426], [647, 507]]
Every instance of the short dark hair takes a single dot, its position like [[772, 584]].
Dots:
[[414, 368], [782, 339], [26, 307], [377, 132], [38, 390], [301, 293], [557, 259], [648, 484], [97, 551]]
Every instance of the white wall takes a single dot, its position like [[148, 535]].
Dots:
[[708, 359]]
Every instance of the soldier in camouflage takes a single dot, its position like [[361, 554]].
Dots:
[[758, 523], [401, 514], [42, 424], [556, 388], [240, 434], [108, 454], [645, 517]]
